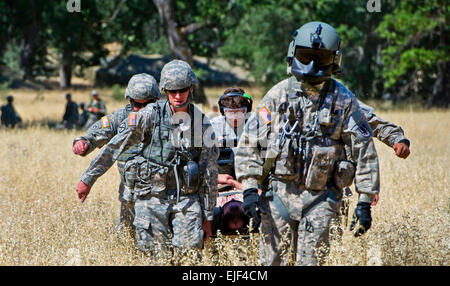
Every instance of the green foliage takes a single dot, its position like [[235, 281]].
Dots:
[[11, 58], [414, 34], [117, 92], [403, 50]]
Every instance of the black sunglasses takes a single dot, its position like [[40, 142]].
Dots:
[[182, 90], [138, 104]]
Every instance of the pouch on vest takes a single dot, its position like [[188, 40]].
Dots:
[[190, 174], [288, 163], [321, 167], [143, 176], [344, 174]]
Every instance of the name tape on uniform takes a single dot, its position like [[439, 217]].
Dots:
[[264, 113]]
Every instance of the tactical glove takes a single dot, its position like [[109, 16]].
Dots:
[[253, 206], [361, 214]]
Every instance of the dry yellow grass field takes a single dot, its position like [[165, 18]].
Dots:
[[43, 223]]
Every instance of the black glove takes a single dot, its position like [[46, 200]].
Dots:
[[361, 214], [253, 206]]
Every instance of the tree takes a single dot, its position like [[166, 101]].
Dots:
[[76, 37], [196, 28], [416, 54], [264, 32]]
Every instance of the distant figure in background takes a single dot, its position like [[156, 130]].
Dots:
[[214, 112], [96, 109], [9, 116], [83, 117], [71, 114]]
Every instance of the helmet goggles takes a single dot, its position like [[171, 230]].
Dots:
[[320, 57]]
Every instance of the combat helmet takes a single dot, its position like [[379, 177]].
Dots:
[[142, 86], [314, 54], [177, 74]]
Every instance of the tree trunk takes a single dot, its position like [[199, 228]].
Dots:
[[65, 70], [179, 45], [29, 44]]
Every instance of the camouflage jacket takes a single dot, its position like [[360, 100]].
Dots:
[[103, 130], [139, 127], [338, 122], [383, 130]]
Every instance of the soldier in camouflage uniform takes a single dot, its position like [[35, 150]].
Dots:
[[385, 131], [96, 109], [142, 89], [175, 177], [298, 135]]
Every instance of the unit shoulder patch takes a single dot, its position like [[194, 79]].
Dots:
[[265, 115], [105, 122], [132, 119]]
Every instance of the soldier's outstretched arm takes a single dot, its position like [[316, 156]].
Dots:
[[99, 134], [131, 131], [387, 132]]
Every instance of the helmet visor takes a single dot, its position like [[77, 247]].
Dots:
[[320, 57], [234, 102]]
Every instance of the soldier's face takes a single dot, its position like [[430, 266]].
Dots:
[[178, 97]]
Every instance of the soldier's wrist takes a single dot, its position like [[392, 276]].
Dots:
[[404, 141], [366, 198], [87, 180]]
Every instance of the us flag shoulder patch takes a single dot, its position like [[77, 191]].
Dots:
[[132, 119], [264, 113], [105, 122]]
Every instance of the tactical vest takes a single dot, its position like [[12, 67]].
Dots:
[[307, 151], [159, 167]]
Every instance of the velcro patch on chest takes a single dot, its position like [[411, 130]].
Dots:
[[265, 115], [132, 119], [105, 122]]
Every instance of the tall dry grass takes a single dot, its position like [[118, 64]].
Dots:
[[43, 223]]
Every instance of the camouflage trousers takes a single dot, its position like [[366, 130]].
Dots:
[[127, 214], [161, 222], [311, 212]]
